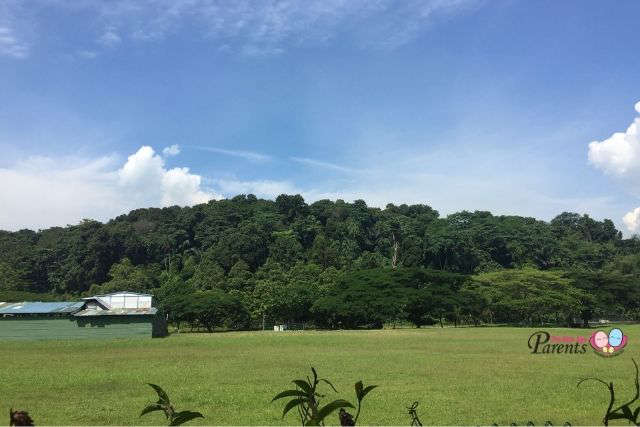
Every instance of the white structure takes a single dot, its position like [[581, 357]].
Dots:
[[121, 300]]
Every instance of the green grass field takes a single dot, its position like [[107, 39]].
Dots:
[[460, 376]]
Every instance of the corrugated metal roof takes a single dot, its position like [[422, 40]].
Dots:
[[38, 307], [99, 300], [125, 293], [117, 312]]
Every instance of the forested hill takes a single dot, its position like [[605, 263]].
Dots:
[[222, 242]]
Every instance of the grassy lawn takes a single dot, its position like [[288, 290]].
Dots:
[[460, 376]]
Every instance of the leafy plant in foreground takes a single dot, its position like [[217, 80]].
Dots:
[[306, 398], [622, 412], [164, 404], [361, 392]]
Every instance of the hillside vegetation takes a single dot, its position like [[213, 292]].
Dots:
[[236, 263]]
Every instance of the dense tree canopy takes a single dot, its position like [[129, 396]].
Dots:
[[289, 261]]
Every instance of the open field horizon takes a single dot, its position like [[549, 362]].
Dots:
[[459, 375]]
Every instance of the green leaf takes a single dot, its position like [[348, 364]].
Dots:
[[304, 386], [617, 417], [292, 404], [627, 412], [162, 396], [330, 407], [151, 408], [184, 416], [288, 393], [367, 390], [358, 387], [330, 385]]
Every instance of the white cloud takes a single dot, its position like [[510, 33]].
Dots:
[[142, 175], [10, 45], [146, 179], [87, 54], [13, 32], [321, 164], [172, 150], [457, 191], [247, 155], [262, 188], [632, 220], [405, 181], [41, 192], [253, 28], [110, 37], [179, 187], [620, 153]]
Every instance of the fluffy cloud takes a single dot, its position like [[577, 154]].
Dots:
[[173, 150], [620, 153], [632, 220], [179, 187], [147, 180], [44, 192]]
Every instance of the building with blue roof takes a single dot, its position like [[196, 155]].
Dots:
[[117, 315]]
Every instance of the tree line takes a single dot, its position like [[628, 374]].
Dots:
[[241, 262]]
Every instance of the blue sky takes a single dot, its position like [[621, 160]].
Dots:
[[507, 106]]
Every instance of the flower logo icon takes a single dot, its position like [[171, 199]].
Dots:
[[608, 344]]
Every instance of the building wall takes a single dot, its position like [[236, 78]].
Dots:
[[49, 327], [123, 300]]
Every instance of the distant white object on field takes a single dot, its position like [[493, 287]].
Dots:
[[279, 327]]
